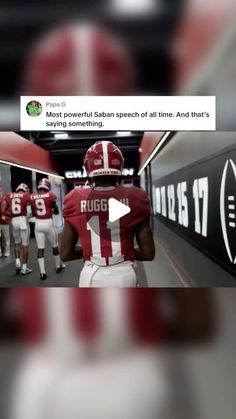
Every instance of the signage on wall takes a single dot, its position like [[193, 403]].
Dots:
[[198, 202], [78, 174]]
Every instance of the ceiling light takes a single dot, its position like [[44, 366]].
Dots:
[[133, 7], [61, 135], [123, 133], [31, 169], [158, 146]]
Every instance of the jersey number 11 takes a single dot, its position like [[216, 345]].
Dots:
[[94, 226]]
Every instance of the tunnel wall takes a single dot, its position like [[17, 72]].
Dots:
[[185, 153]]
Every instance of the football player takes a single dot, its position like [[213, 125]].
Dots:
[[16, 204], [4, 228], [44, 206], [107, 247]]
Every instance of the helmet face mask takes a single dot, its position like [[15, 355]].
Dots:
[[103, 159], [22, 187], [44, 184]]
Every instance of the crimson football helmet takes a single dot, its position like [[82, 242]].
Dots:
[[22, 187], [44, 184], [104, 158], [80, 59]]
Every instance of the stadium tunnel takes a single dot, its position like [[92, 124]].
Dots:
[[28, 156], [188, 176]]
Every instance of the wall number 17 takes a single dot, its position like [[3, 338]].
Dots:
[[200, 192]]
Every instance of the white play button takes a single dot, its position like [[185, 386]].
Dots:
[[117, 209]]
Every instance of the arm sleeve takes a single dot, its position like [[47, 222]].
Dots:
[[54, 197]]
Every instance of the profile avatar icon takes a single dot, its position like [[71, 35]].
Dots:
[[34, 108]]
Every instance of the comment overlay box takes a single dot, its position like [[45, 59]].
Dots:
[[123, 113]]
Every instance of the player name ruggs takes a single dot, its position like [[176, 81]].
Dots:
[[94, 205]]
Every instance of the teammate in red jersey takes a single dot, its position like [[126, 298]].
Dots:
[[4, 229], [44, 206], [15, 204], [107, 247]]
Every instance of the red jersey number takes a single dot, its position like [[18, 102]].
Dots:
[[95, 228], [16, 206], [43, 204], [40, 207]]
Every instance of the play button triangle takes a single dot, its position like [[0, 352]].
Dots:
[[117, 209]]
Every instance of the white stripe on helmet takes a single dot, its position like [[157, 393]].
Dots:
[[105, 154], [83, 63]]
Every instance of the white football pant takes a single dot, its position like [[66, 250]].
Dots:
[[45, 229], [120, 275], [20, 230]]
